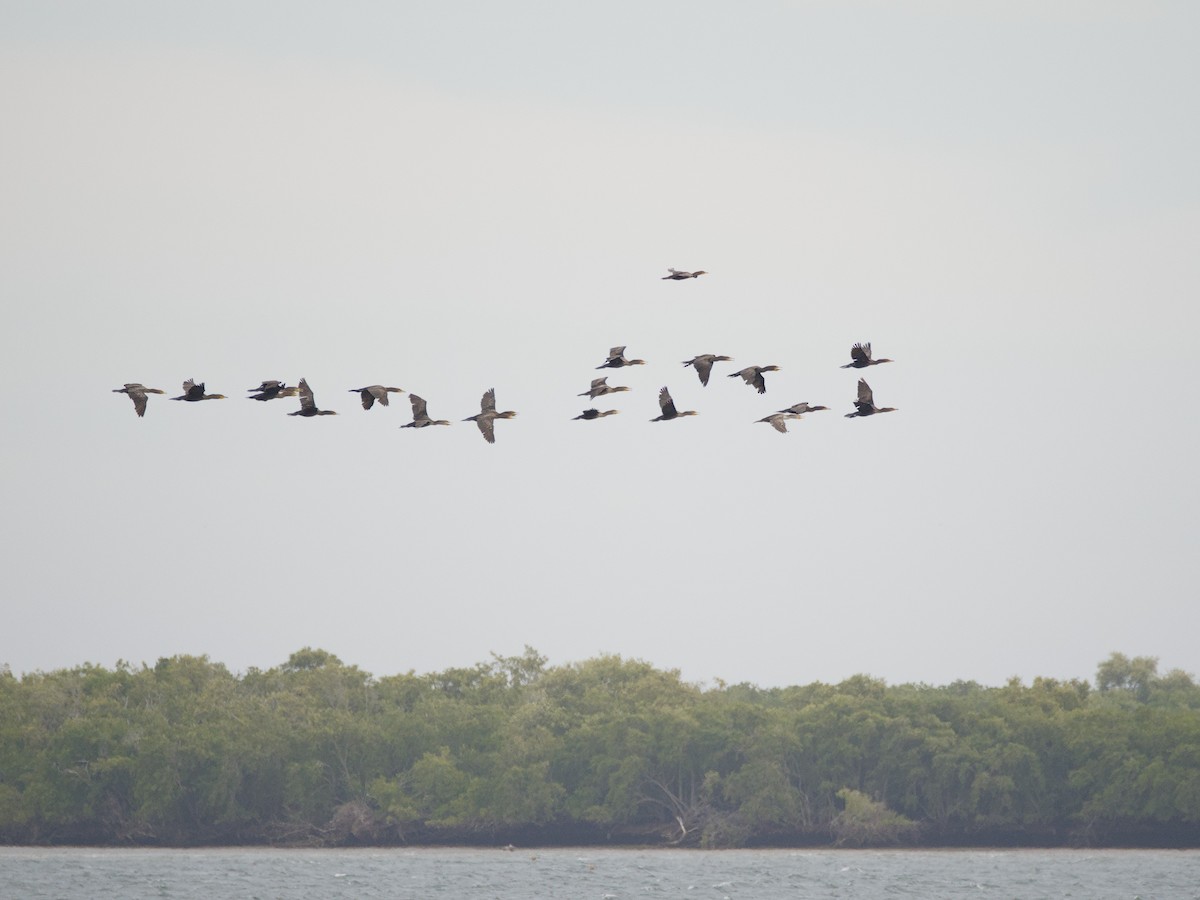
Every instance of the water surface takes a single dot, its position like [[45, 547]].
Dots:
[[603, 874]]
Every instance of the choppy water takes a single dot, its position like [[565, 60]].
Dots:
[[602, 874]]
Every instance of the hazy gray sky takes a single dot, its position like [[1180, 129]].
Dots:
[[1002, 197]]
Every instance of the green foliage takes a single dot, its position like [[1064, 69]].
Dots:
[[317, 751], [869, 823]]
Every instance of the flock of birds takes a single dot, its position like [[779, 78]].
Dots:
[[860, 358]]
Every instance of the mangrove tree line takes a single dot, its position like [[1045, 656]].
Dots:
[[608, 750]]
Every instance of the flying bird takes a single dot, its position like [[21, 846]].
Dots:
[[860, 357], [778, 421], [193, 392], [865, 404], [668, 408], [677, 275], [373, 392], [704, 363], [798, 409], [600, 387], [308, 404], [487, 416], [753, 375], [271, 390], [616, 360], [589, 414], [137, 393], [421, 415]]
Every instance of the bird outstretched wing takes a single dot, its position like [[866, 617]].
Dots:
[[488, 427], [307, 401], [666, 403]]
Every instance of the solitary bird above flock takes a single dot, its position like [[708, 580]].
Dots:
[[271, 390], [488, 415], [193, 392], [668, 408], [704, 363], [860, 357], [616, 360], [677, 275], [865, 404], [753, 375], [373, 392], [137, 393], [308, 404]]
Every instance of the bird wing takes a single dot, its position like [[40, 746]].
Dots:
[[380, 393], [597, 382], [666, 403], [487, 427], [307, 401], [864, 393], [368, 397], [779, 423], [759, 382], [191, 389], [703, 366], [139, 400], [418, 406], [488, 402], [616, 352], [861, 353]]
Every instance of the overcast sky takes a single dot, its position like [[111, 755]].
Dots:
[[1003, 197]]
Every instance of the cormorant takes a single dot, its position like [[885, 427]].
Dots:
[[753, 375], [374, 392], [668, 408], [308, 405], [487, 416], [271, 390], [798, 409], [616, 360], [589, 414], [421, 415], [600, 387], [778, 421], [137, 393], [704, 363], [865, 404], [193, 392], [860, 357]]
